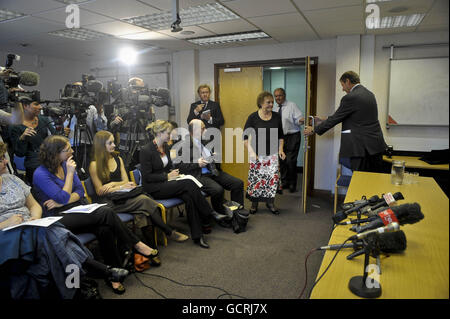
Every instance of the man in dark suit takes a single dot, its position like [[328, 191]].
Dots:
[[362, 141], [200, 165], [206, 110]]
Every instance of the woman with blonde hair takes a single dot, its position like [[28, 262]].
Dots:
[[159, 180], [109, 176]]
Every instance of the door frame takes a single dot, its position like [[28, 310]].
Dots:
[[281, 62]]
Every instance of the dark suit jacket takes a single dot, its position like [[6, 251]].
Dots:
[[358, 112], [189, 165], [216, 114], [152, 169]]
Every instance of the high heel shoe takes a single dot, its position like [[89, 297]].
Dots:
[[254, 208], [153, 258]]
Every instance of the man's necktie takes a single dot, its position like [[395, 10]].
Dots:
[[280, 109]]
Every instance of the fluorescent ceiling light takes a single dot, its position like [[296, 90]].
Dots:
[[79, 34], [227, 38], [275, 67], [208, 13], [6, 15], [397, 21]]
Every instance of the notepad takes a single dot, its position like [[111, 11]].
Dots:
[[42, 222], [83, 209]]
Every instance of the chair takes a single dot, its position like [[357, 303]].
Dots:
[[342, 180], [163, 204], [19, 162], [89, 190]]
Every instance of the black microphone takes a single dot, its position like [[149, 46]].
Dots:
[[392, 227], [387, 200], [402, 214], [341, 215], [358, 221], [391, 242]]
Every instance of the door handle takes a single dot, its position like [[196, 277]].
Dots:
[[306, 144]]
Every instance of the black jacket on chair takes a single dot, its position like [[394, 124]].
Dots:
[[216, 114], [359, 114], [152, 169]]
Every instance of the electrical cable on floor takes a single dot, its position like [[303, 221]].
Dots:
[[328, 267], [226, 293], [142, 283], [306, 271]]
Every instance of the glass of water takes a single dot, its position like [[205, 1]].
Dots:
[[397, 172]]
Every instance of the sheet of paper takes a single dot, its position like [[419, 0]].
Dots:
[[42, 222], [85, 209], [192, 178]]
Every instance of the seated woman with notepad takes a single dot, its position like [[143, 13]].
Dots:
[[160, 181], [28, 252], [109, 177], [58, 188]]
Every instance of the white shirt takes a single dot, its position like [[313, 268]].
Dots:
[[290, 116]]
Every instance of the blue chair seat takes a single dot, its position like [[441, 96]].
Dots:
[[344, 180], [124, 217], [171, 202], [86, 237]]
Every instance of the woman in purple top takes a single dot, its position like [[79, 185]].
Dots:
[[58, 188]]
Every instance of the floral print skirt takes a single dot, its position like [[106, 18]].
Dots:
[[263, 178]]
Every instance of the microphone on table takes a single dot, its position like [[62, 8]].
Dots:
[[387, 200], [392, 227], [402, 214], [341, 215]]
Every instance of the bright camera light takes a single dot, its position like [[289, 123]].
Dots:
[[128, 56]]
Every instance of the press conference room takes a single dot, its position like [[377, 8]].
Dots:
[[345, 198]]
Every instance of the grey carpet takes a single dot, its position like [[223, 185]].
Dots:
[[265, 262]]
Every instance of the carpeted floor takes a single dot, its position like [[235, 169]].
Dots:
[[265, 262]]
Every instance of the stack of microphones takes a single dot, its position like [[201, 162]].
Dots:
[[382, 219]]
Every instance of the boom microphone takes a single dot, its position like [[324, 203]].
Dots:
[[403, 214], [28, 78]]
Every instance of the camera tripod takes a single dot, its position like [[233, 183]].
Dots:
[[81, 151], [133, 143]]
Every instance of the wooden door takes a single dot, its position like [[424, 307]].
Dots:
[[237, 96]]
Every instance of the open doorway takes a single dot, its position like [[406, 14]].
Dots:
[[237, 86]]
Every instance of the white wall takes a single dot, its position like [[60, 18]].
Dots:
[[54, 73]]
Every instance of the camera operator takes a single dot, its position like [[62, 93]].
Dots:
[[16, 116], [27, 137], [131, 118]]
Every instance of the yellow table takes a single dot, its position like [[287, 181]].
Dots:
[[414, 162], [421, 271]]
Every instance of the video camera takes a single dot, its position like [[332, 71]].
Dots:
[[10, 80]]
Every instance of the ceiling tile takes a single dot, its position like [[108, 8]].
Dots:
[[324, 16], [166, 5], [119, 9], [198, 32], [116, 28], [26, 26], [250, 8], [60, 15], [29, 7], [229, 26], [324, 4]]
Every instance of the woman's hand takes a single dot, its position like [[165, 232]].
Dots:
[[129, 185], [282, 155], [50, 204], [29, 131], [202, 162], [71, 165], [173, 173], [105, 189], [15, 220]]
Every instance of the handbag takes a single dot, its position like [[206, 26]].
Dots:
[[121, 197]]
